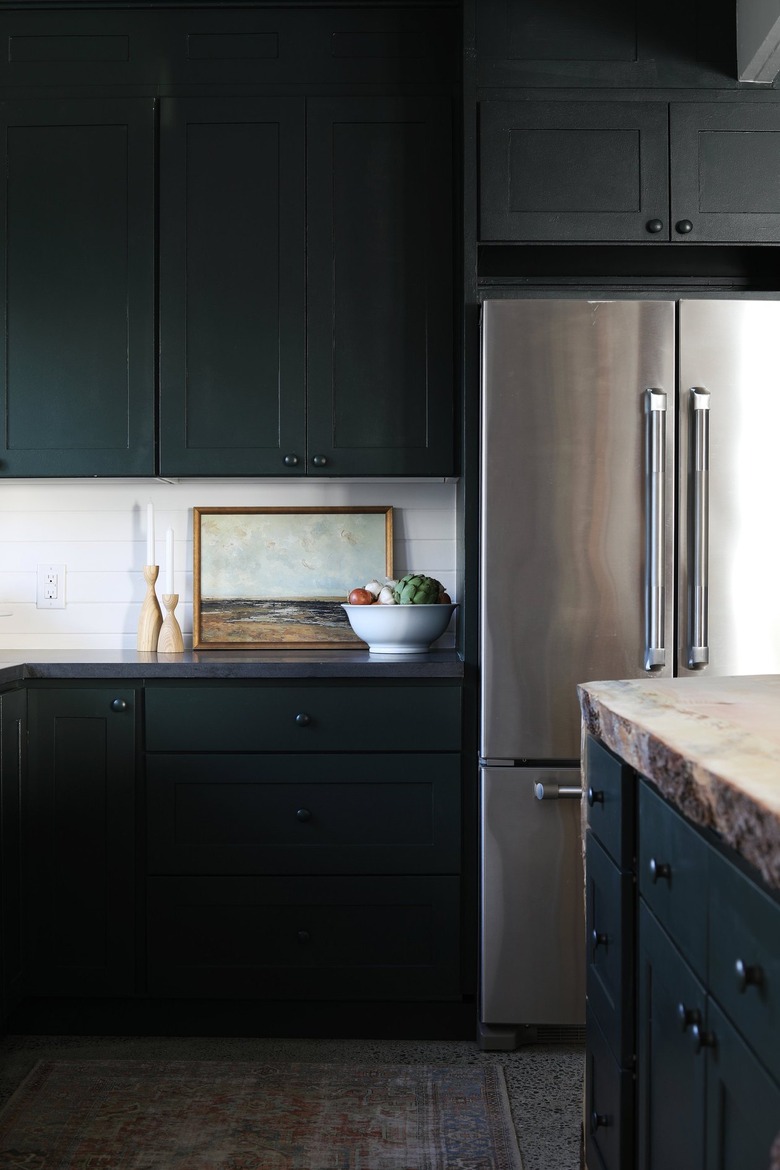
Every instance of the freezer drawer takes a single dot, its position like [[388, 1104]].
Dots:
[[532, 932]]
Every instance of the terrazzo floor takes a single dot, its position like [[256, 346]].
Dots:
[[544, 1081]]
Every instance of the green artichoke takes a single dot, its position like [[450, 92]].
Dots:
[[417, 589]]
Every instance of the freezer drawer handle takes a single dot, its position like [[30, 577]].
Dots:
[[655, 569], [698, 649], [548, 791]]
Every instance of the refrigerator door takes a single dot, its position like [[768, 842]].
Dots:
[[576, 576], [532, 929], [729, 417]]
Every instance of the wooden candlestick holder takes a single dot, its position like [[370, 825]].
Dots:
[[150, 620], [170, 640]]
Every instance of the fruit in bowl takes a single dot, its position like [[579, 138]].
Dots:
[[403, 617]]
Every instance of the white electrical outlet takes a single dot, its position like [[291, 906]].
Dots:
[[51, 587]]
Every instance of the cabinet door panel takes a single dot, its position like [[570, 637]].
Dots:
[[670, 1072], [611, 801], [232, 311], [672, 875], [78, 254], [610, 962], [573, 171], [13, 763], [725, 168], [609, 1105], [272, 813], [379, 266], [743, 1103], [79, 860]]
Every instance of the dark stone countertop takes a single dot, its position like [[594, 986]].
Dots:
[[20, 665]]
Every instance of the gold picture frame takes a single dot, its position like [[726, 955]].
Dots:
[[275, 578]]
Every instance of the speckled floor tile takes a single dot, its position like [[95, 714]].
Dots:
[[544, 1081]]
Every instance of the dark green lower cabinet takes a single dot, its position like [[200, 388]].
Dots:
[[13, 735], [79, 842], [305, 937]]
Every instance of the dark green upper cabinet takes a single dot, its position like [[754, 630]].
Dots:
[[232, 294], [78, 266], [306, 286], [379, 287]]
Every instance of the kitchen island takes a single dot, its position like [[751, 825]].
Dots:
[[683, 904]]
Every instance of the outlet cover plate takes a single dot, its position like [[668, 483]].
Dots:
[[51, 586]]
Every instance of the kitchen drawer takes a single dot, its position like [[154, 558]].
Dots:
[[360, 718], [744, 958], [295, 937], [673, 869], [610, 794], [260, 814], [610, 955], [609, 1105]]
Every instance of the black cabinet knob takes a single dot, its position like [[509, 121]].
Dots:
[[302, 719], [655, 225], [748, 976], [304, 936], [702, 1039], [658, 870], [595, 797], [303, 815], [599, 939], [598, 1121], [290, 461], [118, 705], [683, 226], [688, 1017], [319, 460]]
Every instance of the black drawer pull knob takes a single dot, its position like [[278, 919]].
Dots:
[[683, 226], [598, 1121], [702, 1039], [304, 936], [599, 939], [748, 976], [302, 719], [654, 225], [118, 705], [688, 1017], [290, 461], [658, 870], [320, 461], [595, 797], [303, 815]]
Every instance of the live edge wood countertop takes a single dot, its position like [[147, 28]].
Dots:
[[711, 745]]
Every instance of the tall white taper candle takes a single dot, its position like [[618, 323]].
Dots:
[[150, 534], [169, 561]]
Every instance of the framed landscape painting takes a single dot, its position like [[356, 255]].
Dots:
[[275, 578]]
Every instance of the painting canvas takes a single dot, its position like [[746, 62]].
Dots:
[[276, 577]]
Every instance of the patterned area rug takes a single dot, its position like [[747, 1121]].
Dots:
[[210, 1115]]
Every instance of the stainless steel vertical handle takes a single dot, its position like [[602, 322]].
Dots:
[[655, 519], [698, 642]]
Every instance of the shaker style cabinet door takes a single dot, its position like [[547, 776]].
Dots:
[[725, 172], [574, 171], [77, 347], [232, 294], [379, 286]]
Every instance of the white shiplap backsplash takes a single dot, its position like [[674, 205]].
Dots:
[[98, 531]]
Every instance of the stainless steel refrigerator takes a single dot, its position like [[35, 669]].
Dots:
[[630, 481]]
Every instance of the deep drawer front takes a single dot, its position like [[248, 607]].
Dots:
[[319, 938], [673, 874], [303, 814], [609, 1105], [610, 795], [610, 953], [744, 958], [301, 718]]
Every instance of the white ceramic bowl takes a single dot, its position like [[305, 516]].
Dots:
[[399, 629]]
